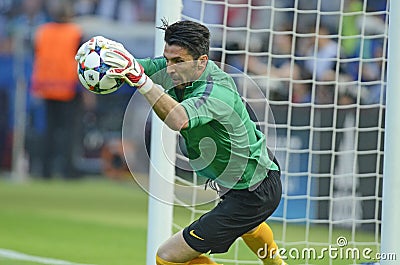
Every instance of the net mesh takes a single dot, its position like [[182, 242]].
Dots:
[[313, 73]]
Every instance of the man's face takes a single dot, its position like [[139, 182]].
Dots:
[[181, 66]]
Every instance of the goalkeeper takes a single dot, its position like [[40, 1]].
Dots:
[[195, 97]]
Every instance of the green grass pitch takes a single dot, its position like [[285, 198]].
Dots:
[[90, 221], [94, 221]]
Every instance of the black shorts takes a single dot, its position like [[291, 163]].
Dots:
[[238, 212]]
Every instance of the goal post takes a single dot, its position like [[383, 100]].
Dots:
[[163, 143], [391, 180]]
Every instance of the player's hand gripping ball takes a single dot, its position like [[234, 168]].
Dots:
[[92, 68]]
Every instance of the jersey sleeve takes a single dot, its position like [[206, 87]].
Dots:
[[156, 69], [152, 66], [213, 103]]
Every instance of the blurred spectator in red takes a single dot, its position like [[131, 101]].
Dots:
[[54, 80]]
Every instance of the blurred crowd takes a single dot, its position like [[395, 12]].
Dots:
[[32, 34], [301, 63], [324, 52]]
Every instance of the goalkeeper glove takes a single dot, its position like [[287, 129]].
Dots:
[[101, 42], [126, 67], [123, 64]]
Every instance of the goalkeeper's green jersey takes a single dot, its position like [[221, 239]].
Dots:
[[222, 142]]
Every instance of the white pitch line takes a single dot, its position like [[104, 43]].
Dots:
[[11, 254]]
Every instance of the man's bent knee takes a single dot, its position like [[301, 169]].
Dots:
[[161, 261], [176, 250], [166, 257]]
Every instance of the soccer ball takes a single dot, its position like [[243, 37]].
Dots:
[[92, 73]]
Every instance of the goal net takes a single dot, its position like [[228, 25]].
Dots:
[[313, 75]]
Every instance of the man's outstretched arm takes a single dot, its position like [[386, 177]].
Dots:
[[168, 109]]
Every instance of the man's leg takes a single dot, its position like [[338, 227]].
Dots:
[[175, 251], [201, 260], [260, 239]]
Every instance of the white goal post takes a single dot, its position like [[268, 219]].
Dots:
[[163, 141], [391, 179]]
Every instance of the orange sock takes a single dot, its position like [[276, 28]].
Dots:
[[200, 260], [261, 240]]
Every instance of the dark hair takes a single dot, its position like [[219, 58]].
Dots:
[[60, 11], [188, 34]]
